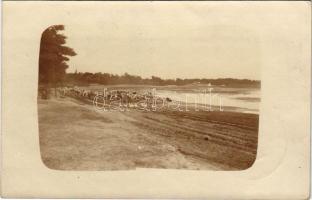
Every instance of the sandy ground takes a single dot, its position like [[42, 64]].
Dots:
[[76, 136]]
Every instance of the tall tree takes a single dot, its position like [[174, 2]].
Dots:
[[53, 56]]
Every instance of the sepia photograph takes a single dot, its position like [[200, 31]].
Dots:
[[156, 99], [121, 96]]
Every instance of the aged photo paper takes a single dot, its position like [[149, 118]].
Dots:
[[156, 99]]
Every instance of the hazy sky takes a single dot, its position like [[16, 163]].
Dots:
[[166, 40]]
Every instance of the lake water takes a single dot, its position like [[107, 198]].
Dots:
[[234, 99], [242, 99]]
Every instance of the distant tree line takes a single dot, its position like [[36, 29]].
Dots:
[[87, 78]]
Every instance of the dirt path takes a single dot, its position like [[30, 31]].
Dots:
[[76, 136]]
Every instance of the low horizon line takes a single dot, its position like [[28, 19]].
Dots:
[[163, 78]]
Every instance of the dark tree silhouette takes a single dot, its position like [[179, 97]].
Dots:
[[53, 56]]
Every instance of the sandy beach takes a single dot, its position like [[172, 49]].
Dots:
[[76, 136]]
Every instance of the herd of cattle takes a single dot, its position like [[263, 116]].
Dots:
[[110, 95]]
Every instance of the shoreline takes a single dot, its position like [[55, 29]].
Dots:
[[206, 100], [162, 139]]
